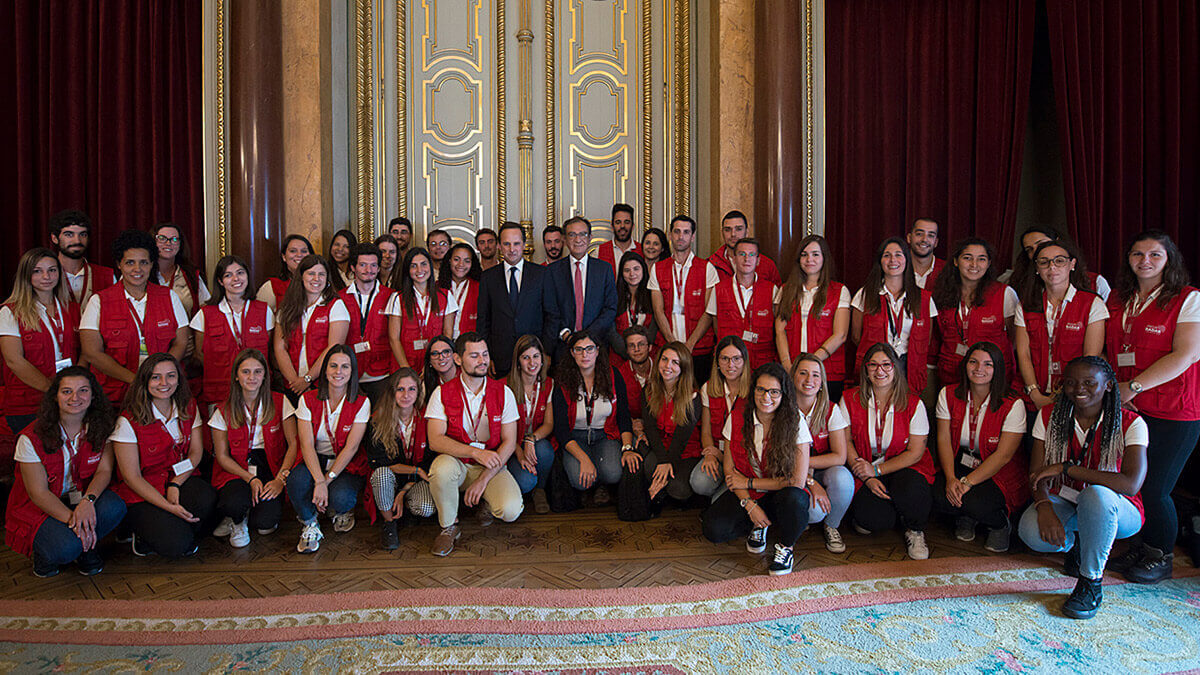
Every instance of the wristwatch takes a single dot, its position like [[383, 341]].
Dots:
[[331, 475], [626, 448], [90, 497], [964, 481], [1136, 387], [308, 379], [1030, 388], [1067, 464], [746, 502]]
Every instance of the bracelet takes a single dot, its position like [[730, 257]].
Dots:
[[750, 483], [1040, 502], [172, 484], [966, 482], [877, 474]]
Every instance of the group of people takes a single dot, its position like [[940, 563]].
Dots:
[[419, 380]]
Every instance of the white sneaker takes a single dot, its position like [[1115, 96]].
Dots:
[[914, 541], [269, 530], [833, 540], [343, 522], [240, 536], [310, 538], [224, 528]]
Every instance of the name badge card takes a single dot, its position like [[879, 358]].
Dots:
[[360, 347], [1069, 493], [182, 466], [1126, 360], [61, 363]]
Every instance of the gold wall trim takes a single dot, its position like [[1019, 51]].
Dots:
[[501, 129], [222, 148], [525, 123], [810, 155], [551, 176], [402, 108], [647, 119], [364, 112], [683, 105]]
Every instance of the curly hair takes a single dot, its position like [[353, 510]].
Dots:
[[779, 440], [100, 418], [1061, 427]]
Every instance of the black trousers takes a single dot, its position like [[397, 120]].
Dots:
[[702, 367], [233, 499], [983, 503], [911, 500], [680, 485], [725, 519], [167, 534]]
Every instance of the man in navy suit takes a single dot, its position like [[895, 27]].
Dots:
[[512, 299], [582, 289]]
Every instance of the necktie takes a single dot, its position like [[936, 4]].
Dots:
[[512, 287], [578, 295]]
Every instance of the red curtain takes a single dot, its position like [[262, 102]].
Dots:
[[104, 115], [1127, 89], [926, 112]]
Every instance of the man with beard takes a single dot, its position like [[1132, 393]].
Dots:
[[486, 244], [552, 242], [734, 228], [622, 241], [69, 233], [922, 238], [636, 369], [401, 228]]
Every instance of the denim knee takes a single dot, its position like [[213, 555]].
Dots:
[[343, 493], [702, 483]]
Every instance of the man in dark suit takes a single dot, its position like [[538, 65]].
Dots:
[[582, 291], [512, 299]]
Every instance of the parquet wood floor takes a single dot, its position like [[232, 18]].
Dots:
[[586, 549]]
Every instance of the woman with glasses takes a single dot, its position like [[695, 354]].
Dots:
[[295, 249], [766, 470], [591, 417], [1056, 321], [813, 314], [727, 389], [670, 413], [830, 483], [972, 307], [888, 430], [439, 365], [529, 381], [419, 311], [175, 271]]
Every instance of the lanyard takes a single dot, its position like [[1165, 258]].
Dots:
[[71, 450], [679, 275], [473, 418], [528, 409], [460, 294], [326, 413], [138, 322], [896, 320], [1133, 309], [743, 301], [963, 321], [423, 318], [236, 323], [58, 325], [87, 284], [877, 424], [406, 432], [252, 422], [364, 309], [973, 421], [589, 405]]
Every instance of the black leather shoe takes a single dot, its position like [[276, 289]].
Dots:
[[1132, 556], [389, 536], [1152, 569], [89, 563], [1085, 600]]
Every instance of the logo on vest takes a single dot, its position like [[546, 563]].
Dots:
[[1156, 330], [1073, 326], [254, 329], [988, 320], [165, 323], [993, 439]]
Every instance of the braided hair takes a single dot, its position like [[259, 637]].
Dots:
[[1061, 427]]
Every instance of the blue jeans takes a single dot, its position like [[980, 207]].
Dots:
[[1100, 517], [343, 493], [704, 484], [544, 453], [57, 544], [604, 452], [839, 485]]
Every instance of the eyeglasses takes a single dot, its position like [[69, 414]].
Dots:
[[730, 360], [577, 235], [1057, 261], [769, 393], [746, 254], [441, 353], [588, 349], [164, 239], [885, 367]]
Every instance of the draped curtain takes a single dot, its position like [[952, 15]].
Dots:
[[104, 115], [926, 111]]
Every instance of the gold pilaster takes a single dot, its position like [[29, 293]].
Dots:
[[525, 124], [402, 108], [647, 119], [551, 177], [501, 128], [364, 108]]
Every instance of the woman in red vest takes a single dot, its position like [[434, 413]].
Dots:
[[399, 456], [295, 249], [124, 324], [799, 329], [743, 304], [158, 447], [60, 507], [980, 429], [766, 470], [337, 256], [830, 483], [230, 322], [726, 391], [1089, 461], [175, 271], [311, 321], [332, 419], [39, 335], [531, 385], [419, 311], [439, 366], [459, 277], [670, 446], [888, 430], [972, 307], [634, 307], [254, 442], [1154, 339], [891, 308], [1057, 321]]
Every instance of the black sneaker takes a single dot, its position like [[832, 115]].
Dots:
[[1084, 600], [1132, 556], [1071, 562], [1153, 568], [781, 564], [757, 541], [389, 536], [43, 569], [89, 563]]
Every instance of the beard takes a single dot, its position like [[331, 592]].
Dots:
[[75, 252]]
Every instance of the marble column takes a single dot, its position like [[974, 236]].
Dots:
[[733, 166], [302, 118]]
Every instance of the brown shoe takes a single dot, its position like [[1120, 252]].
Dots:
[[540, 503], [443, 544], [484, 514], [601, 497]]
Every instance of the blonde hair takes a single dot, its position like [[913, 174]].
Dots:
[[819, 416], [24, 299], [685, 386], [386, 416]]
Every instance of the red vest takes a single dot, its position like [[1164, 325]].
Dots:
[[1068, 338], [931, 280], [221, 346], [1092, 461], [454, 402], [1013, 478], [378, 360], [38, 349], [766, 266], [633, 391], [666, 430], [157, 453], [341, 429], [875, 329], [413, 329], [23, 517], [539, 409], [611, 429], [759, 318], [120, 332], [468, 308], [718, 412], [274, 442], [820, 327], [860, 434], [984, 323], [607, 253], [741, 459], [415, 454], [693, 297], [100, 278], [279, 288], [193, 285], [314, 340], [820, 441], [1150, 336]]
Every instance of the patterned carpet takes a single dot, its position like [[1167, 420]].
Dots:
[[944, 615]]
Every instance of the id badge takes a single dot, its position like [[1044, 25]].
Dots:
[[325, 461], [1126, 360], [182, 466], [360, 347], [970, 461], [961, 349], [1056, 367], [61, 363], [420, 344], [678, 308], [879, 462], [1069, 493], [252, 469], [75, 496], [749, 336], [478, 445]]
